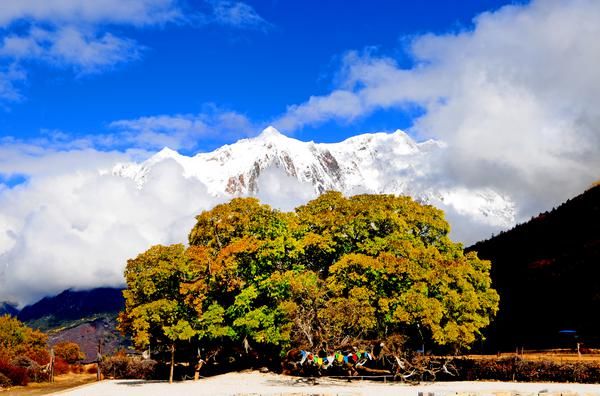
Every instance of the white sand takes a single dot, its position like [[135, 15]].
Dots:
[[254, 383]]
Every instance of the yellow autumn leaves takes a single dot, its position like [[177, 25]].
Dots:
[[364, 267]]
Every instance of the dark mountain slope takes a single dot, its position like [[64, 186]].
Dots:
[[8, 309], [73, 305], [85, 317], [547, 272]]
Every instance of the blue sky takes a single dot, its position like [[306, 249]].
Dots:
[[294, 50]]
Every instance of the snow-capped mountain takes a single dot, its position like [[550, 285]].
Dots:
[[370, 163]]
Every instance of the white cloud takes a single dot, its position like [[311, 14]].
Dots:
[[282, 191], [133, 12], [9, 78], [137, 137], [183, 131], [85, 51], [339, 104], [76, 227], [237, 14], [75, 33], [515, 99], [73, 226], [44, 158]]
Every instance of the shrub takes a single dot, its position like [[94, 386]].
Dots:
[[34, 370], [40, 356], [120, 366], [508, 369], [4, 381], [60, 366], [142, 369], [69, 352], [114, 366], [16, 375]]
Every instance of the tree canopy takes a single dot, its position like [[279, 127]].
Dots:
[[364, 267], [18, 340]]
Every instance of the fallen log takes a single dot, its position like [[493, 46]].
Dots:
[[367, 370]]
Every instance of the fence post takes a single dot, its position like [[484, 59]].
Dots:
[[51, 364], [98, 359]]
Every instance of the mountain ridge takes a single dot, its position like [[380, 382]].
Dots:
[[379, 162], [70, 305], [7, 308], [82, 316]]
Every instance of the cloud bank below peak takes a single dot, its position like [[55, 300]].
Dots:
[[72, 223]]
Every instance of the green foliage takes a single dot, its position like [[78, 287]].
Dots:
[[212, 324], [369, 267], [18, 339], [154, 309]]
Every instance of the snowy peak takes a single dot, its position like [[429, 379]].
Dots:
[[166, 153], [270, 133], [380, 162]]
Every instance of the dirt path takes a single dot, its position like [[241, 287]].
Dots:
[[61, 383]]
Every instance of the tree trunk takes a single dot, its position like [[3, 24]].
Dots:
[[172, 363], [51, 365], [198, 368], [98, 359]]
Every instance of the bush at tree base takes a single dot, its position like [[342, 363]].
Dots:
[[5, 382], [61, 366], [416, 368], [124, 367], [35, 371], [16, 375], [517, 369]]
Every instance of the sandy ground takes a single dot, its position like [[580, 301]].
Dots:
[[255, 383]]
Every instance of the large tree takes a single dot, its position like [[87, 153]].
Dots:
[[364, 267], [370, 266]]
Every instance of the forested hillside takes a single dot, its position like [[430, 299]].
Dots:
[[547, 272], [71, 305]]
